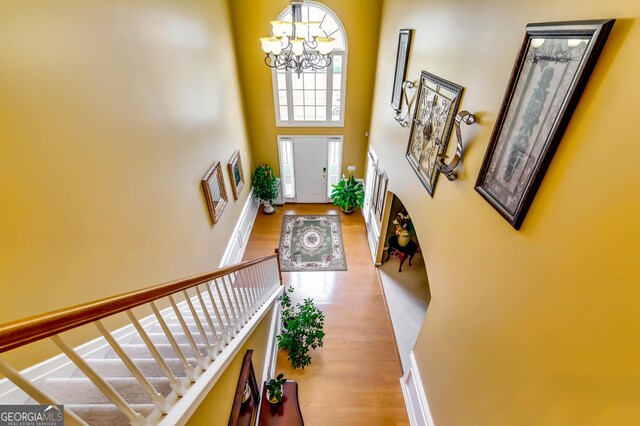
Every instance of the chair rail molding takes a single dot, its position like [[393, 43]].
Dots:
[[240, 235]]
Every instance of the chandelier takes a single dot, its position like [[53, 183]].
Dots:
[[297, 45]]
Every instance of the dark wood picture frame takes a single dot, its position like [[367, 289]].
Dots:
[[215, 192], [245, 413], [375, 187], [402, 60], [236, 174], [382, 192], [435, 111], [550, 73]]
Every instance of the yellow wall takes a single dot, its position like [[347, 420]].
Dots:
[[537, 326], [216, 407], [110, 114], [361, 20]]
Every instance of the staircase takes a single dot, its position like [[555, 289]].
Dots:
[[151, 373]]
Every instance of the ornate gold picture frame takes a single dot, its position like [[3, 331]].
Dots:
[[214, 191]]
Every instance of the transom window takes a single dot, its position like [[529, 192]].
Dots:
[[316, 97]]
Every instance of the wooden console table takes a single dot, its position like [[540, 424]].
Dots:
[[286, 413]]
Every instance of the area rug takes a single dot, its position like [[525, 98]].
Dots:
[[312, 243]]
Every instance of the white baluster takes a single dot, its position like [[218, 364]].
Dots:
[[202, 362], [230, 305], [243, 296], [210, 349], [25, 384], [225, 334], [232, 329], [219, 346], [158, 400], [178, 387], [191, 372], [104, 387]]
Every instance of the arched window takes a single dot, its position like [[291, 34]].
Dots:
[[315, 97]]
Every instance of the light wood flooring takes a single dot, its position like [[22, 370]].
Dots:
[[354, 378]]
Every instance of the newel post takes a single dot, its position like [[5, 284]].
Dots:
[[279, 269]]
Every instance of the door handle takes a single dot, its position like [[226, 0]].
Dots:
[[324, 172]]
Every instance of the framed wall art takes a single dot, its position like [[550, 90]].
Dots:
[[550, 73], [244, 411], [236, 174], [214, 191], [402, 59], [436, 108], [382, 192], [375, 188]]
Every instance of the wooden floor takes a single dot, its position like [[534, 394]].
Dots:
[[354, 378]]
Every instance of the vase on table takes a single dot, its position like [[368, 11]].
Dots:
[[403, 240]]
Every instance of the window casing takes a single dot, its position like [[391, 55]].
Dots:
[[316, 98]]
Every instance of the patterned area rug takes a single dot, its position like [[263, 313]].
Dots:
[[312, 243]]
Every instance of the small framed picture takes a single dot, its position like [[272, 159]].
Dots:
[[236, 174], [214, 191], [550, 73], [402, 59]]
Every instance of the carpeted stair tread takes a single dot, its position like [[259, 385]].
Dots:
[[112, 367], [180, 338], [140, 350], [83, 391], [106, 414]]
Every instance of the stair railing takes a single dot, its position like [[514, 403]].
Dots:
[[220, 303]]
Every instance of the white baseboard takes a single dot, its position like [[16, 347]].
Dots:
[[240, 236], [415, 397]]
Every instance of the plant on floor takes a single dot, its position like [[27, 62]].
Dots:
[[274, 388], [302, 329], [348, 194], [265, 186]]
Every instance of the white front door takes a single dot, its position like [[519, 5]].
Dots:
[[310, 158]]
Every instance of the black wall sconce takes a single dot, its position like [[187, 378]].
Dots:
[[449, 169]]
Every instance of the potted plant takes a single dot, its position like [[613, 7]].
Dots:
[[348, 194], [404, 228], [302, 329], [274, 389], [265, 187]]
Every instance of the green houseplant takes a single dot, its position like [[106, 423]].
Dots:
[[274, 388], [348, 194], [302, 329], [265, 186]]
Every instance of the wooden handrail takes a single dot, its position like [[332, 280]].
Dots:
[[21, 332]]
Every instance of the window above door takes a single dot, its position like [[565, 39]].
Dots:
[[315, 98]]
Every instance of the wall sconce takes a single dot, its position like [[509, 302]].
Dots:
[[449, 169], [401, 118]]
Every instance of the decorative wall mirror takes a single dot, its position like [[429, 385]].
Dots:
[[214, 191], [236, 174]]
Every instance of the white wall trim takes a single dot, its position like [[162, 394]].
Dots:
[[240, 235], [415, 397]]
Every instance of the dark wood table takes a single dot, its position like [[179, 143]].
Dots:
[[407, 251], [285, 413]]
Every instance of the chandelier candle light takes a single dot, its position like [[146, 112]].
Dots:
[[297, 45]]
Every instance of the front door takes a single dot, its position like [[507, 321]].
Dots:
[[310, 159]]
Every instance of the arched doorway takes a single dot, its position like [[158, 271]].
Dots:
[[407, 292]]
